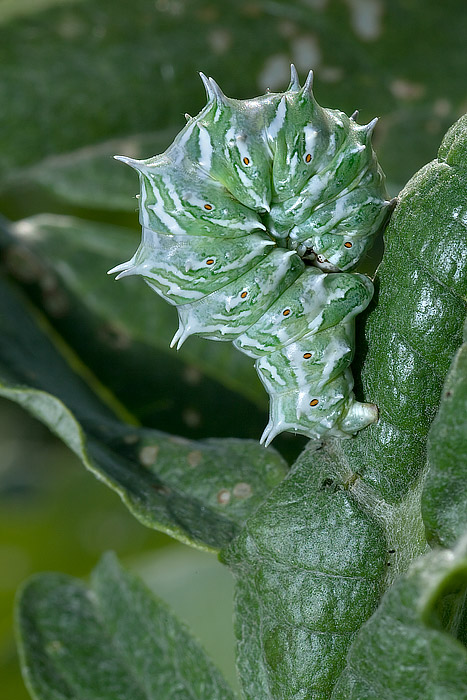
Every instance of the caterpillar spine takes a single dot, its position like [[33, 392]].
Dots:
[[252, 221]]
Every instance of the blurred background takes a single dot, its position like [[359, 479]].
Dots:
[[81, 80]]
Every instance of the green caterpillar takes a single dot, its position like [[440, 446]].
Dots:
[[250, 220]]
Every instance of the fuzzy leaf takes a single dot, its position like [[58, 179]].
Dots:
[[198, 492], [444, 500], [414, 646], [110, 641], [309, 567]]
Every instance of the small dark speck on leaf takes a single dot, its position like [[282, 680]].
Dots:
[[326, 484], [160, 488]]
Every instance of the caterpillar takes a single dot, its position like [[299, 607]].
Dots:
[[251, 221]]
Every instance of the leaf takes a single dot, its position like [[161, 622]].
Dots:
[[313, 561], [413, 647], [444, 500], [413, 328], [123, 331], [90, 178], [117, 74], [309, 566], [110, 641], [198, 492]]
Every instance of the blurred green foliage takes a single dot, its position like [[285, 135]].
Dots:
[[81, 80]]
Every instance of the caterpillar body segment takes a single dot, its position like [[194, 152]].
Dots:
[[252, 220]]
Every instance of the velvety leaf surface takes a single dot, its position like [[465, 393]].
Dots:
[[309, 568], [198, 492], [415, 323], [444, 500], [313, 561], [112, 640], [414, 646], [122, 331]]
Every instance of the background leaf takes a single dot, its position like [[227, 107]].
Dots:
[[113, 65], [199, 492], [113, 640], [444, 500], [123, 331], [414, 646]]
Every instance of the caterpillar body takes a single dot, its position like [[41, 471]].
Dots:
[[251, 221]]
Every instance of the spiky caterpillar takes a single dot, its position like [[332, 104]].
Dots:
[[250, 220]]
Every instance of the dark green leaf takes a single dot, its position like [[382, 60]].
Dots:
[[310, 566], [111, 641], [413, 647], [414, 326], [444, 500], [122, 331], [198, 492], [75, 74]]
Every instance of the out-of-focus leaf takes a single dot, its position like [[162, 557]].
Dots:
[[200, 591], [90, 178], [198, 492], [75, 74], [123, 330], [309, 566], [110, 641], [413, 647], [444, 500]]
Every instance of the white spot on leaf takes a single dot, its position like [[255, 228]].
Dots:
[[275, 73], [306, 52], [148, 455]]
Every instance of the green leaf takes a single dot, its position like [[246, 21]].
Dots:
[[198, 492], [444, 499], [313, 561], [117, 73], [123, 330], [413, 647], [90, 178], [413, 328], [110, 641], [310, 566]]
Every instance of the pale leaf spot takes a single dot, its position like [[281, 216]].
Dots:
[[148, 455]]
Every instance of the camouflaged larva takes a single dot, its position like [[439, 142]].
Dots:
[[250, 220]]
